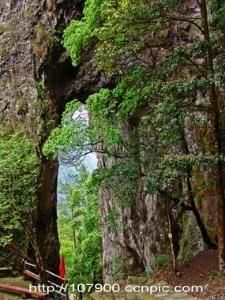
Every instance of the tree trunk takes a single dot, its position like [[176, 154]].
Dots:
[[170, 235], [47, 234], [207, 240]]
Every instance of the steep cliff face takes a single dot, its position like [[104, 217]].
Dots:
[[142, 229], [32, 62], [37, 80]]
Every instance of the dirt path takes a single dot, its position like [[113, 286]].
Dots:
[[199, 270]]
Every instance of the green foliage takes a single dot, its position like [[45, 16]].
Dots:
[[112, 220], [69, 136], [215, 276], [161, 261], [119, 268], [164, 80], [123, 179], [80, 231], [119, 29], [19, 182], [218, 8], [79, 137], [103, 125], [78, 34]]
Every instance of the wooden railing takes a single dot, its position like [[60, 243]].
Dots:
[[25, 293], [6, 271], [59, 284]]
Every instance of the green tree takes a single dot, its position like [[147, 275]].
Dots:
[[143, 33], [19, 172], [79, 226]]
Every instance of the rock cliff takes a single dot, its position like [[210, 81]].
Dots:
[[32, 62], [37, 80]]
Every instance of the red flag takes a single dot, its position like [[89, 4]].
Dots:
[[62, 268]]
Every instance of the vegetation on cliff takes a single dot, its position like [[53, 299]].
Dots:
[[169, 60], [19, 172], [79, 228], [157, 128]]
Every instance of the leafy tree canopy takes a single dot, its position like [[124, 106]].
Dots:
[[79, 225], [19, 171]]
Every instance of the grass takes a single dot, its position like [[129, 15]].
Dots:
[[16, 281], [215, 275]]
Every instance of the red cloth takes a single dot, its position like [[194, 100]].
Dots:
[[62, 268]]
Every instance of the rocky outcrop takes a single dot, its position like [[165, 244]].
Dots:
[[142, 229], [30, 33], [134, 235], [37, 80]]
